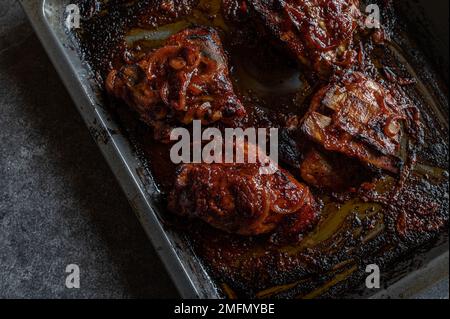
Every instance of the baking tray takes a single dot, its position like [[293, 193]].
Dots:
[[47, 17]]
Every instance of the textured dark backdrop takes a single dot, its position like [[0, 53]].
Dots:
[[59, 203]]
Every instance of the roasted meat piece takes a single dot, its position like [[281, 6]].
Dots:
[[185, 80], [318, 33], [332, 171], [238, 199], [316, 170], [360, 118]]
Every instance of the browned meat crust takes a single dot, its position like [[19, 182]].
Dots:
[[332, 172], [185, 80], [318, 33], [238, 199], [360, 118]]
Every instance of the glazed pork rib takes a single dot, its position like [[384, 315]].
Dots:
[[358, 117], [238, 199], [185, 80], [318, 33]]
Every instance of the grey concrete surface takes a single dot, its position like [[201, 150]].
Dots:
[[439, 291], [59, 203]]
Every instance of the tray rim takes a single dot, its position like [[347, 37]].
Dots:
[[119, 162]]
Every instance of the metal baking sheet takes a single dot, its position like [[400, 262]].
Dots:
[[187, 272]]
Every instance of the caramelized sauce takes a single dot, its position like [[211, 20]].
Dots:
[[351, 233]]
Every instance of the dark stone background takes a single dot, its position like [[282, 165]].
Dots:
[[59, 202]]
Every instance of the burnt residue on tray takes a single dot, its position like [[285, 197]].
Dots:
[[380, 224]]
